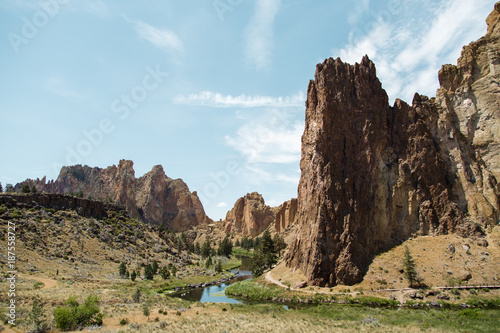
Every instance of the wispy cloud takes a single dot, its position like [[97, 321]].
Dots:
[[360, 8], [217, 100], [265, 143], [60, 86], [259, 34], [222, 204], [410, 47], [161, 38]]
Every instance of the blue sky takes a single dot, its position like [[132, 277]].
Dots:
[[213, 90]]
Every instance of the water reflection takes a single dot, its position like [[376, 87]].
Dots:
[[215, 294]]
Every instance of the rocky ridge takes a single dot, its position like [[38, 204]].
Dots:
[[154, 197], [250, 216], [373, 175]]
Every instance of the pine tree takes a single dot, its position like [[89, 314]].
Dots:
[[218, 267], [154, 266], [146, 309], [26, 189], [137, 296], [208, 263], [122, 270], [164, 273], [409, 267], [148, 272], [206, 249], [133, 275], [1, 188], [34, 190]]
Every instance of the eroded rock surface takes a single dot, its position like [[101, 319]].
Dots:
[[154, 197], [373, 175]]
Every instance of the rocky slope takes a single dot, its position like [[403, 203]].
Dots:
[[154, 197], [373, 175]]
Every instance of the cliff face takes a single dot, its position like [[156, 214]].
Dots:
[[285, 215], [374, 175], [154, 197], [249, 217]]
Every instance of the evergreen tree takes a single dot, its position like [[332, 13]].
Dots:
[[26, 189], [133, 275], [409, 267], [279, 244], [146, 309], [9, 188], [225, 247], [208, 263], [122, 270], [149, 272], [34, 190], [164, 273], [197, 248], [174, 270], [237, 244], [257, 263], [206, 249], [1, 188], [218, 267], [137, 295], [154, 267]]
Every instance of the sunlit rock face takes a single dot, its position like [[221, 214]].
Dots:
[[373, 175]]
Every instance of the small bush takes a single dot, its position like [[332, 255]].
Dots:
[[16, 214], [124, 321], [74, 315]]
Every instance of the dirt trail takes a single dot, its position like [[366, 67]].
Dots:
[[48, 283]]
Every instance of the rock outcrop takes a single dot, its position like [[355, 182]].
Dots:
[[84, 207], [154, 197], [250, 216], [285, 215], [373, 175]]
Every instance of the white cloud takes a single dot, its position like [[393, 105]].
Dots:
[[409, 48], [161, 38], [222, 204], [217, 100], [259, 34], [271, 140]]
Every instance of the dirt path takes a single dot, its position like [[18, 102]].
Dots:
[[48, 283]]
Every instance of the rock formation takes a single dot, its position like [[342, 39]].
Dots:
[[249, 217], [84, 207], [154, 197], [285, 215], [373, 175]]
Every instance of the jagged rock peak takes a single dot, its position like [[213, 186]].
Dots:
[[154, 197], [250, 216], [373, 175]]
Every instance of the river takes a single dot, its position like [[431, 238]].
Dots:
[[216, 294]]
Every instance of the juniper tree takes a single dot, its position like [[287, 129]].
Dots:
[[409, 267]]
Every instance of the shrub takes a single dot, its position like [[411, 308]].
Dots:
[[137, 296], [74, 315], [123, 321], [26, 189], [16, 214], [37, 316]]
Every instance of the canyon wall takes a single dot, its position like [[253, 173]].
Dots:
[[373, 175]]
